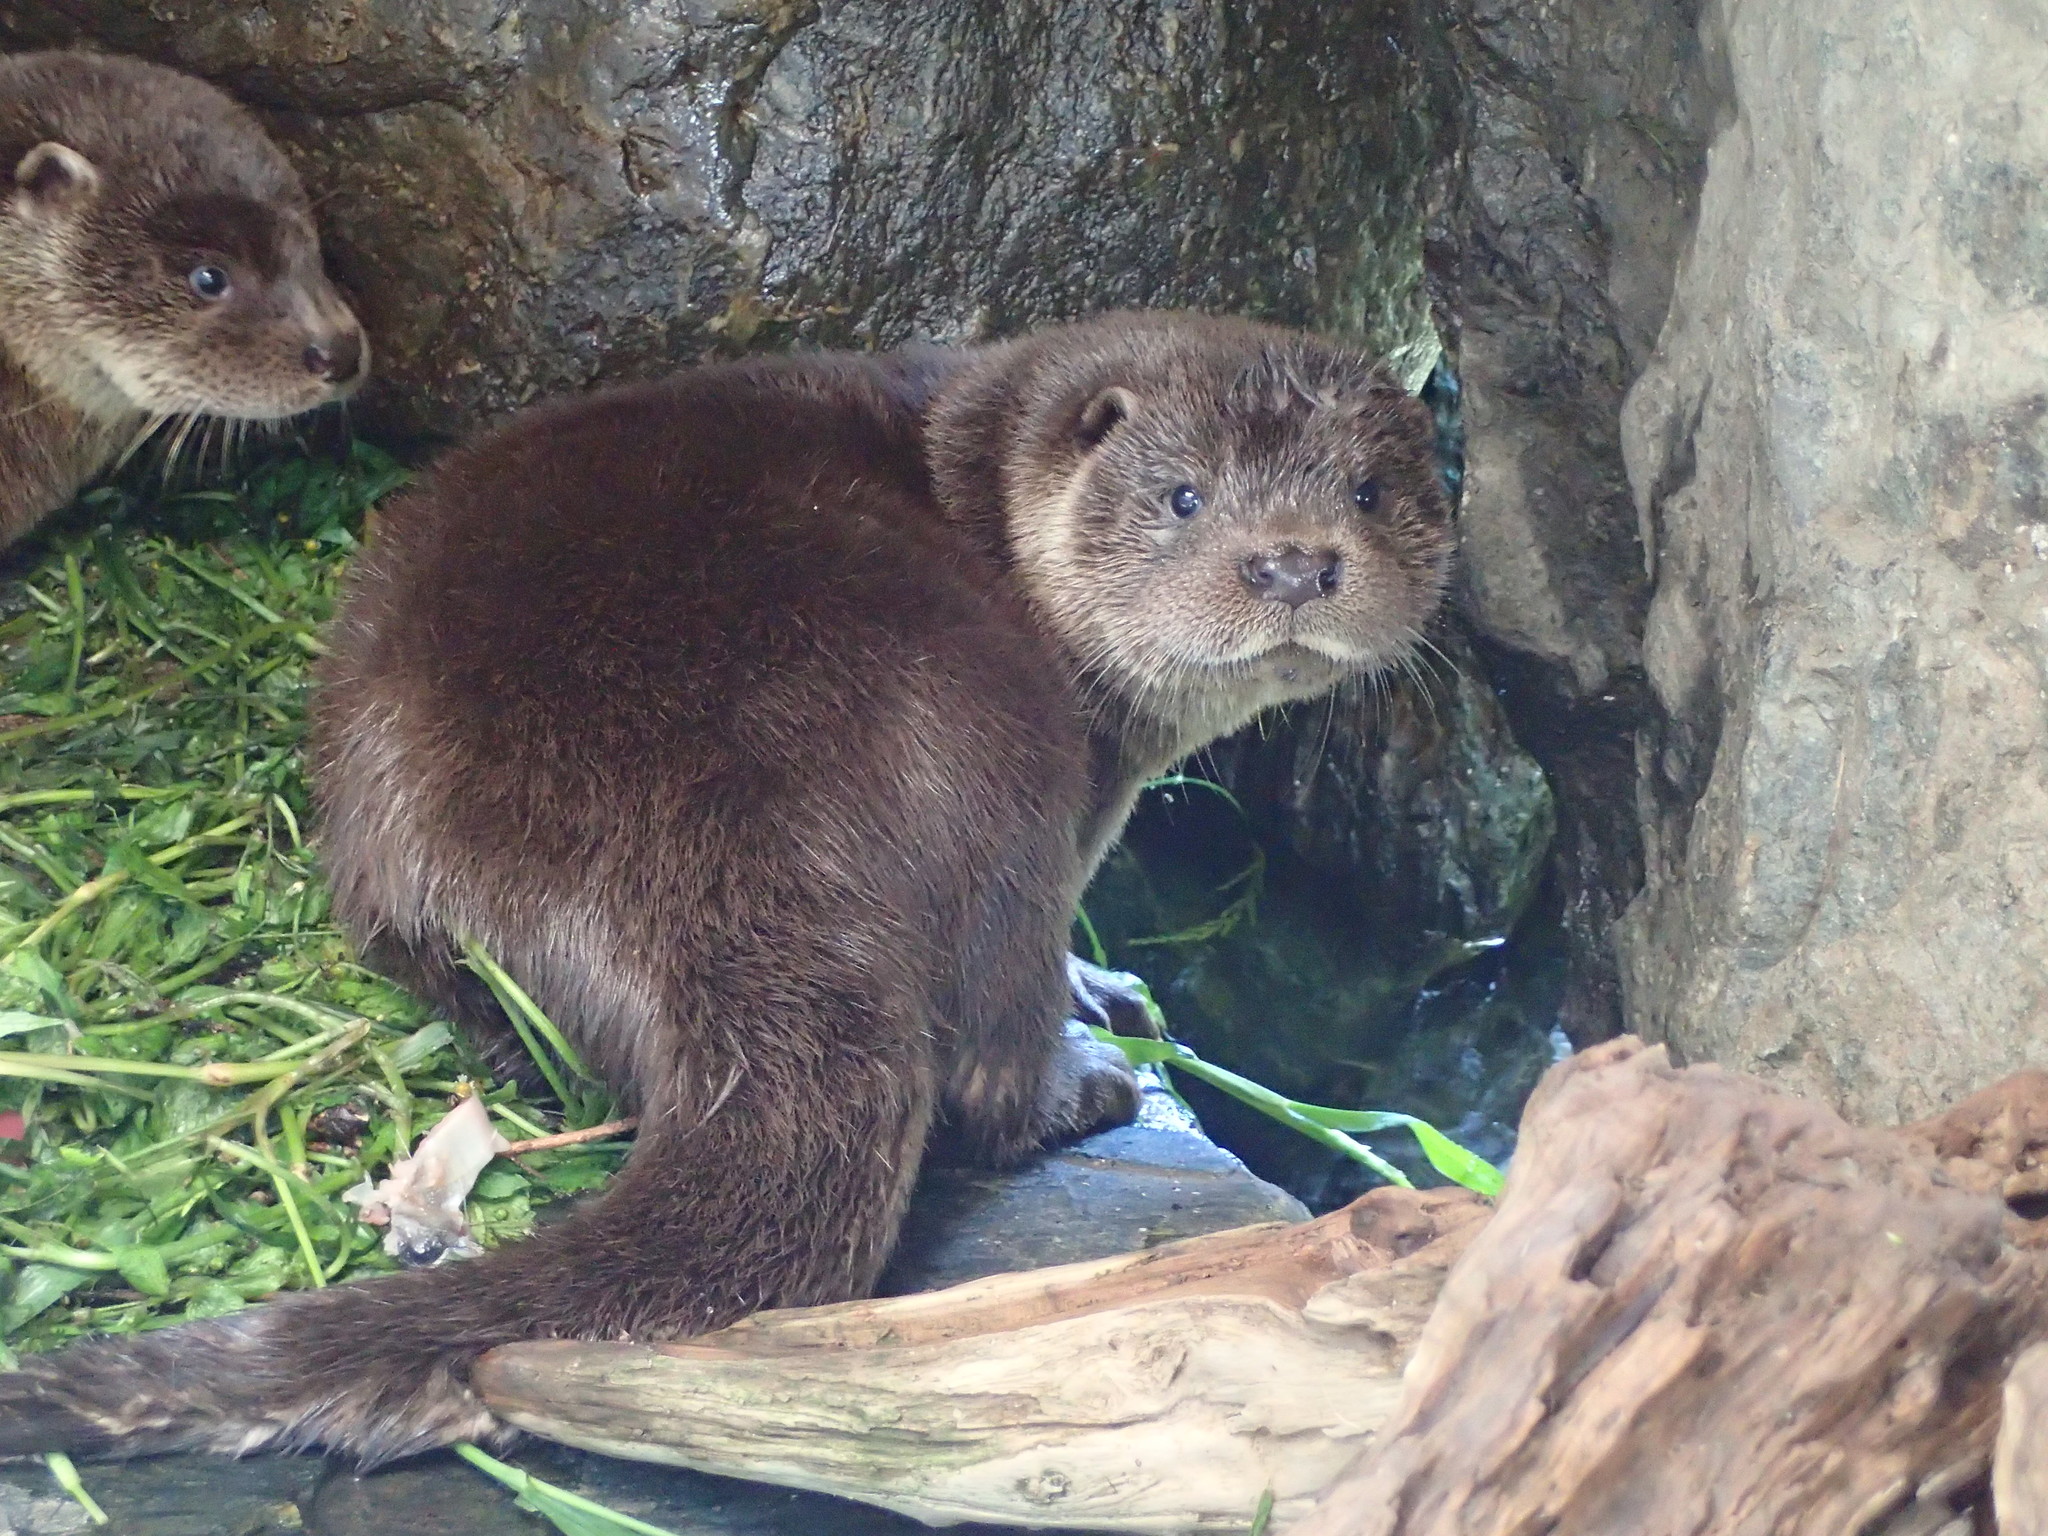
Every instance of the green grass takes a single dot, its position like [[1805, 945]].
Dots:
[[198, 1064]]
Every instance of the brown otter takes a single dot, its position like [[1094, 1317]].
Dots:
[[766, 723], [157, 260]]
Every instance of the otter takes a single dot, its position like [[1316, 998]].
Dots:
[[157, 260], [765, 724]]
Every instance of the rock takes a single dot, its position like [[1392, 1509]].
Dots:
[[1581, 160], [167, 1496], [1118, 1192], [1584, 123], [530, 198], [1839, 451], [1122, 1190], [440, 1496]]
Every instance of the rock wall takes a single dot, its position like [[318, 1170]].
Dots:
[[527, 196], [1576, 168], [1840, 452]]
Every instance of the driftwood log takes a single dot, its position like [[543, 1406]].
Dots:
[[2019, 1471], [1160, 1391], [1704, 1307], [1700, 1308]]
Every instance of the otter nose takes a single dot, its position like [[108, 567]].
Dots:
[[1293, 575], [338, 359]]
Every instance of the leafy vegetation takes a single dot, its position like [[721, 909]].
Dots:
[[192, 1065]]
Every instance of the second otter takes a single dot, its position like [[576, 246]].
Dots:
[[766, 724], [157, 260]]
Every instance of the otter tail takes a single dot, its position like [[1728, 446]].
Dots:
[[753, 1206]]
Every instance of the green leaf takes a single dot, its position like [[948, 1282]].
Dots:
[[1456, 1163], [15, 1022], [37, 1286], [570, 1513], [125, 855], [260, 1273], [574, 1174], [1332, 1127], [499, 1184], [419, 1047], [143, 1267], [31, 967], [214, 1299]]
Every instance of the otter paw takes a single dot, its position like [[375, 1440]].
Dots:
[[1088, 1087], [1113, 1000]]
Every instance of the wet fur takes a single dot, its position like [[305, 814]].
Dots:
[[772, 768], [101, 336]]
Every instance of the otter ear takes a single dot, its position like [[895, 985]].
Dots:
[[1102, 415], [53, 178]]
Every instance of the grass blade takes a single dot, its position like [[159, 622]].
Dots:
[[68, 1479], [570, 1513]]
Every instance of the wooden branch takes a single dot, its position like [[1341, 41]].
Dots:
[[1705, 1307], [562, 1139], [1701, 1307], [2019, 1469], [1149, 1392]]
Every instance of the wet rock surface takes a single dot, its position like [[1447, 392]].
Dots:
[[1145, 1184], [1123, 1190], [1840, 450], [525, 198], [1581, 159], [1583, 126]]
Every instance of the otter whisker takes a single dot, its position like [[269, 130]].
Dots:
[[1406, 661], [1429, 647], [1323, 736], [177, 448], [143, 434], [213, 440], [1382, 697]]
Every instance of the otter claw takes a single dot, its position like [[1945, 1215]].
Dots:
[[1113, 1000]]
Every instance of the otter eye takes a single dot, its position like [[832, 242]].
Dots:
[[1366, 494], [208, 281], [1186, 501]]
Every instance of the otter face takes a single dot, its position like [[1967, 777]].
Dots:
[[196, 301], [1227, 523]]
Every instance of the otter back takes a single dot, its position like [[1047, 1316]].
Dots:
[[157, 260]]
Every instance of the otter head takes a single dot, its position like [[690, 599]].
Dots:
[[171, 267], [1215, 516]]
